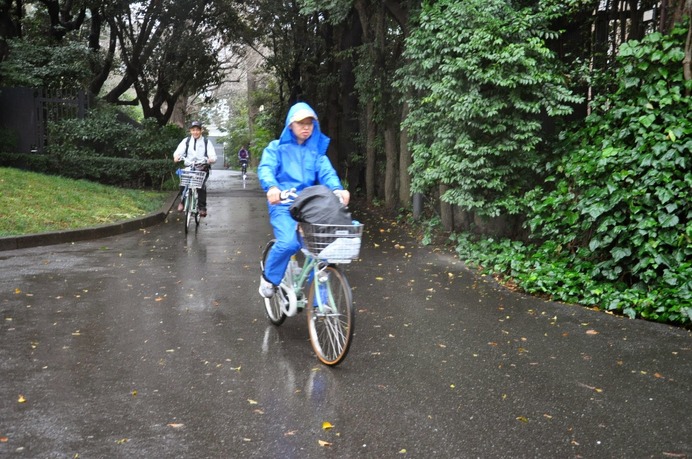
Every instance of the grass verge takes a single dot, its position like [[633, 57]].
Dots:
[[37, 203]]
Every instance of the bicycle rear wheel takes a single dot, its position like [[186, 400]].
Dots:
[[331, 326], [272, 306]]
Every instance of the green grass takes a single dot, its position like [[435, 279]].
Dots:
[[36, 203]]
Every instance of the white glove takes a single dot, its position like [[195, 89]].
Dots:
[[338, 195]]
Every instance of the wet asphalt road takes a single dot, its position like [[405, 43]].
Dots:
[[154, 344]]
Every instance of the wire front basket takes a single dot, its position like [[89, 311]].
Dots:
[[193, 179], [332, 243]]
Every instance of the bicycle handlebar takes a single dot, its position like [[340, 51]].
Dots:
[[288, 196], [194, 164]]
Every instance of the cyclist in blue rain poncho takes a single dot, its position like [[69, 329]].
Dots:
[[297, 159]]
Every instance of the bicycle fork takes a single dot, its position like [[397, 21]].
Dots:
[[191, 201]]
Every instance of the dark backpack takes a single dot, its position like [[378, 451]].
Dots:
[[187, 145]]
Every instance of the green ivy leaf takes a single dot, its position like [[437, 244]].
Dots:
[[647, 120], [620, 252], [668, 220]]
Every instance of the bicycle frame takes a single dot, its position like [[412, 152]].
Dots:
[[318, 287], [190, 198], [298, 285]]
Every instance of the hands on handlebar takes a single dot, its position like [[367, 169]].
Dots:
[[277, 196], [197, 165]]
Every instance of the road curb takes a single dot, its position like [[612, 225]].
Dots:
[[92, 232]]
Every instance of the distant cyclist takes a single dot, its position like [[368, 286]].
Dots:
[[195, 150], [243, 158], [243, 154]]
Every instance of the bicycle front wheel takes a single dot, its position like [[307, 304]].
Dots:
[[188, 213], [273, 305], [331, 321], [195, 208]]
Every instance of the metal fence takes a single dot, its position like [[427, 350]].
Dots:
[[27, 112]]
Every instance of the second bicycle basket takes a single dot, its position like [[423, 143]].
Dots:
[[333, 243], [193, 179]]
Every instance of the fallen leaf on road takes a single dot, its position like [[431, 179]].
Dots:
[[324, 443], [522, 419], [327, 425], [591, 332], [21, 399], [252, 402]]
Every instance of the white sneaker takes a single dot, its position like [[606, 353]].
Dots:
[[266, 288]]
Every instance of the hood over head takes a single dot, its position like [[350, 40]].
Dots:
[[300, 111]]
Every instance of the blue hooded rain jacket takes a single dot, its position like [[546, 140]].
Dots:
[[286, 165]]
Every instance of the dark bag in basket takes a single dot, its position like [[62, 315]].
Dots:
[[319, 205]]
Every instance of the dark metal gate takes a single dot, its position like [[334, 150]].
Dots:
[[26, 112], [53, 105]]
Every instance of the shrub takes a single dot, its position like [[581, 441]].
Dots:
[[105, 131], [156, 174], [614, 219]]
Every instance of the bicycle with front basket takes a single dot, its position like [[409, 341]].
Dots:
[[192, 180], [319, 286]]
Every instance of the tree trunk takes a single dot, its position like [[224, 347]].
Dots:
[[370, 128], [252, 60], [10, 25], [178, 116], [674, 12], [370, 153], [687, 60], [348, 122], [404, 163], [390, 175], [101, 73], [446, 211]]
